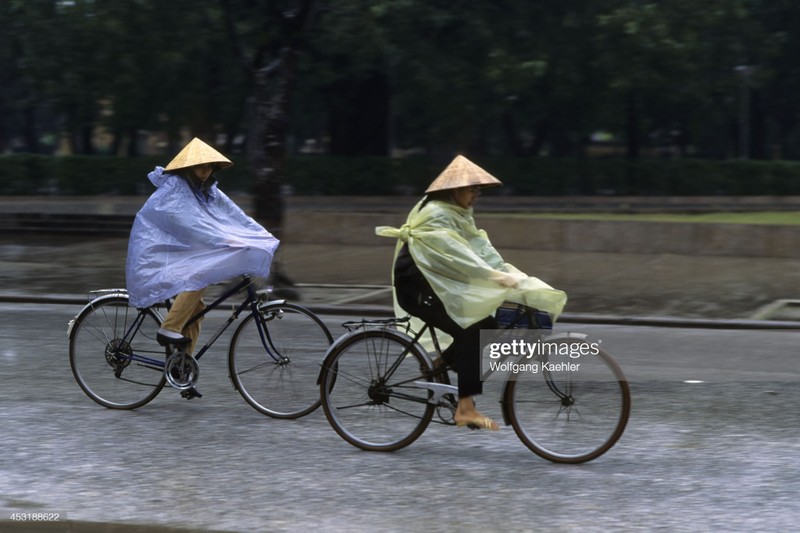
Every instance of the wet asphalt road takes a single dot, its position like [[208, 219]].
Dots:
[[714, 456]]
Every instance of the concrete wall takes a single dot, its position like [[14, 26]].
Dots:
[[353, 221], [511, 232]]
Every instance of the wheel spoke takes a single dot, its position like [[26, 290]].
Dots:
[[274, 359], [360, 403], [113, 353], [571, 417]]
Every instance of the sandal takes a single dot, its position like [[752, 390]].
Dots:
[[480, 422]]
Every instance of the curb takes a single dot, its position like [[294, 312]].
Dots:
[[566, 318]]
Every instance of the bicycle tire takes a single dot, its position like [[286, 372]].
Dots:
[[115, 372], [277, 376], [579, 427], [368, 408]]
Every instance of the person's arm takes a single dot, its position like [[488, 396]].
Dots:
[[442, 249]]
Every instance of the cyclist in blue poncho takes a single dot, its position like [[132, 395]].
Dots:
[[189, 235]]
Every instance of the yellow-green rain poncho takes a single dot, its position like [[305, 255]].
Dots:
[[463, 268]]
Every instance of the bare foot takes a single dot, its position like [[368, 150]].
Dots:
[[467, 415]]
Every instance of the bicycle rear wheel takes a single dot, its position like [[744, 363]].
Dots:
[[274, 359], [368, 392], [114, 355], [570, 416]]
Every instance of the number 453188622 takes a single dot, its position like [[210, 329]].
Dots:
[[36, 517]]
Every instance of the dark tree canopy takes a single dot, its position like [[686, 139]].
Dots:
[[386, 77]]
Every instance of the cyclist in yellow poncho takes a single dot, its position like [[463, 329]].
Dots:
[[447, 273]]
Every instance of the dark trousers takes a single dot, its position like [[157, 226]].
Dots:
[[465, 349]]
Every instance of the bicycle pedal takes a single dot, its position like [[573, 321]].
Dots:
[[192, 393]]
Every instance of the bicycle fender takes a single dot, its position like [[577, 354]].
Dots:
[[273, 302], [564, 336], [350, 334], [326, 360], [108, 295]]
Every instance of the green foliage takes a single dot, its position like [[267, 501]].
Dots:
[[27, 174], [324, 175], [511, 78]]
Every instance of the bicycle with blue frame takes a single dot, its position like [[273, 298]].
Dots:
[[273, 356], [380, 389]]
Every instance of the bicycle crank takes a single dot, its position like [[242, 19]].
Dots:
[[181, 370]]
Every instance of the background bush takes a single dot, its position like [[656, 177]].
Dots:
[[27, 174]]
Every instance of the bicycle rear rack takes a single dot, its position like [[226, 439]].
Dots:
[[365, 323]]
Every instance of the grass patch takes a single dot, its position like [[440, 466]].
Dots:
[[778, 218]]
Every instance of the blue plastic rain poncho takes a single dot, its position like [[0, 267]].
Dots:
[[184, 239], [463, 268]]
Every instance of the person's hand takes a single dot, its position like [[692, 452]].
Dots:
[[509, 281]]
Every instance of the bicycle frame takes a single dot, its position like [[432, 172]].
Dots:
[[367, 410], [251, 301], [444, 387]]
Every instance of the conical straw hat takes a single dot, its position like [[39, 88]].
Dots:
[[462, 172], [197, 153]]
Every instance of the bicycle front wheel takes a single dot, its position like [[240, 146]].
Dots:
[[114, 355], [274, 359], [570, 416], [369, 393]]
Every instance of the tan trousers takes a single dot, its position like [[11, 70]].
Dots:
[[186, 305]]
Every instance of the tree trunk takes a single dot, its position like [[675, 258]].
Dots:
[[267, 141], [759, 148], [359, 116], [634, 141], [268, 128], [632, 126], [29, 129], [87, 139]]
